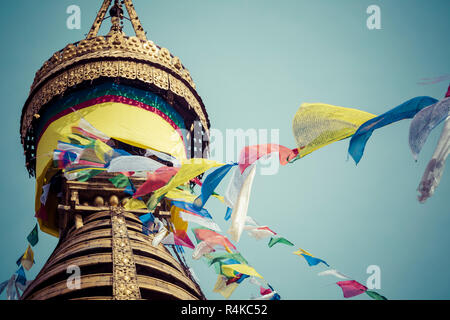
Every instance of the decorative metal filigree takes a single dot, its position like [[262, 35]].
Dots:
[[125, 285], [111, 69]]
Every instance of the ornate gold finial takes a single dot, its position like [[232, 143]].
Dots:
[[116, 13]]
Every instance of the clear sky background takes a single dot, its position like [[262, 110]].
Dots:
[[254, 63]]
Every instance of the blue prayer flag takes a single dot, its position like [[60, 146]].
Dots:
[[276, 296], [211, 182], [146, 220], [312, 261], [191, 208], [242, 278], [228, 213], [21, 278], [406, 110]]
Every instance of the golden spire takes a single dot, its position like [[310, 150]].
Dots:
[[116, 13]]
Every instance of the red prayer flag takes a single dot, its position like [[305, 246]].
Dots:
[[351, 288], [42, 213], [197, 181], [156, 180], [182, 239], [236, 278], [264, 291], [250, 154], [212, 238]]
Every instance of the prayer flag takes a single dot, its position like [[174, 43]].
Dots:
[[334, 273], [120, 181], [374, 295], [404, 111], [250, 154], [21, 277], [210, 183], [147, 220], [28, 258], [133, 163], [218, 257], [44, 195], [224, 289], [179, 238], [189, 169], [274, 241], [156, 180], [316, 125], [134, 204], [310, 259], [435, 168], [207, 223], [229, 270], [351, 288], [240, 209], [33, 237], [159, 236], [191, 208], [228, 213], [213, 238], [182, 195], [424, 122], [201, 249], [176, 219]]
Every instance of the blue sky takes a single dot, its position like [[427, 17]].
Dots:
[[254, 62]]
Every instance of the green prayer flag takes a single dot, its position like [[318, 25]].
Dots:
[[274, 241], [375, 296], [85, 175], [33, 237], [120, 181], [219, 256]]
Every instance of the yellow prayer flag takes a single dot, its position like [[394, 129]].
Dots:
[[221, 198], [134, 204], [79, 139], [183, 195], [28, 258], [300, 251], [228, 269], [316, 125], [222, 287], [102, 149], [178, 223], [189, 170]]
